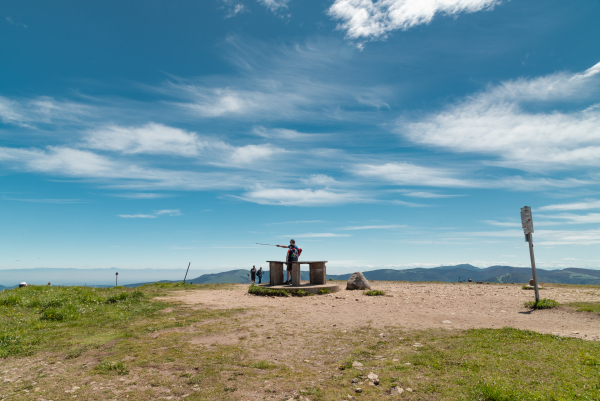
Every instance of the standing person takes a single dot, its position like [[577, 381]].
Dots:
[[292, 256], [253, 273], [259, 274]]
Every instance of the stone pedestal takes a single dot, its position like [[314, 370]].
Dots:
[[275, 273], [296, 274], [318, 274]]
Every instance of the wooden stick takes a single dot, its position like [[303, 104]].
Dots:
[[188, 269]]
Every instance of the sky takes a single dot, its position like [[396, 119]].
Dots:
[[387, 134]]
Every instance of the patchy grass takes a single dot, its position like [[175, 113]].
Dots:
[[543, 304], [268, 292], [62, 318], [324, 291], [586, 306], [137, 349], [374, 293]]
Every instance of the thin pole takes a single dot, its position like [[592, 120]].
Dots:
[[535, 282], [188, 269]]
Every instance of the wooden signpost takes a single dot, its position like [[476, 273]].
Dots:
[[527, 223]]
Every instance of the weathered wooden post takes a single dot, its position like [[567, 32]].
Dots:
[[527, 222]]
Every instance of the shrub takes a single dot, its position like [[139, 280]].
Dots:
[[374, 293], [107, 367], [257, 290], [264, 365], [543, 304], [301, 293], [324, 291]]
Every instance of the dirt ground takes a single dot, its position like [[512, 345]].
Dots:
[[452, 306]]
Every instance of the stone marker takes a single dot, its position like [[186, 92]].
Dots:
[[356, 364], [531, 282], [357, 281]]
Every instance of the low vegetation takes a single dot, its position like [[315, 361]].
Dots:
[[586, 306], [268, 292], [542, 304], [374, 293], [112, 346]]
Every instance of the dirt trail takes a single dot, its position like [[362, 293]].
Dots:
[[416, 306]]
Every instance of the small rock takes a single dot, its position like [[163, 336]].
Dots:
[[351, 397], [371, 384], [344, 331], [381, 335], [356, 364], [446, 322], [372, 376], [409, 389], [358, 390], [307, 361], [395, 360], [408, 363], [376, 382], [396, 390], [355, 380]]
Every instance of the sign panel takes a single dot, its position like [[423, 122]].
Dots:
[[527, 220]]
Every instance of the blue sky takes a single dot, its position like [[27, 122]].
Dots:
[[400, 133]]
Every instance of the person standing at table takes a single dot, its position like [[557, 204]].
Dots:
[[259, 274], [253, 274], [292, 256]]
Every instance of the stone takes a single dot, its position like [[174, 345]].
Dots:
[[372, 376], [376, 382], [531, 282], [356, 364], [446, 322], [351, 397], [409, 389], [355, 380], [358, 390], [357, 281], [396, 390]]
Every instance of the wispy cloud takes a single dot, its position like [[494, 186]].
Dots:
[[13, 22], [300, 197], [234, 8], [46, 200], [588, 204], [411, 174], [142, 195], [137, 216], [427, 195], [274, 5], [497, 122], [169, 212], [380, 227], [316, 235], [370, 20], [296, 222]]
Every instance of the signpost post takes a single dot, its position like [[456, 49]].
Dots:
[[116, 279], [527, 223]]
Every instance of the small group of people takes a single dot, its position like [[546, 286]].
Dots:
[[256, 273], [292, 256]]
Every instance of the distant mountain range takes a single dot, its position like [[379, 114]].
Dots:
[[493, 274]]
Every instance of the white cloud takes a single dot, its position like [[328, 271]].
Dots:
[[274, 5], [571, 218], [137, 216], [170, 212], [315, 235], [13, 22], [67, 201], [547, 237], [422, 194], [319, 179], [300, 197], [286, 134], [381, 227], [410, 174], [588, 204], [370, 19], [234, 8], [43, 109], [496, 122], [295, 222], [142, 195], [251, 153], [148, 139]]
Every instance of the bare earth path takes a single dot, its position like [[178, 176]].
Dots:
[[416, 306]]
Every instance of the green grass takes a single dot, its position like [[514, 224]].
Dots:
[[50, 318], [543, 304], [324, 291], [586, 306], [374, 293], [108, 367], [268, 292]]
